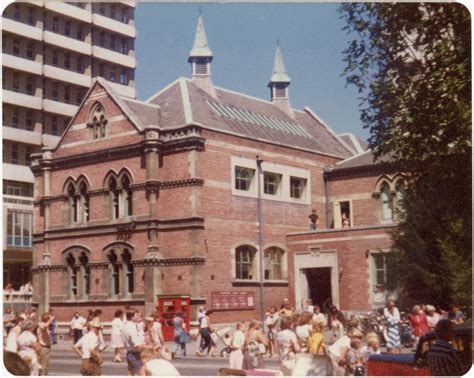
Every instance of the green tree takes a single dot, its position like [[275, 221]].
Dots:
[[412, 65]]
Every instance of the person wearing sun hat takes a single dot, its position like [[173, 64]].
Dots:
[[88, 349], [28, 346]]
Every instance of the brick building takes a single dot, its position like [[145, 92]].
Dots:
[[140, 199]]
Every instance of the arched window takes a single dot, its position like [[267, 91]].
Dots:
[[386, 202], [72, 272], [85, 275], [399, 195], [128, 273], [114, 196], [273, 263], [97, 123], [245, 263], [126, 197], [72, 199], [115, 274], [84, 195]]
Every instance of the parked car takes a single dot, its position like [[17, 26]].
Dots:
[[416, 364]]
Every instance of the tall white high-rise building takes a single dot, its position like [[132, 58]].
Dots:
[[51, 52]]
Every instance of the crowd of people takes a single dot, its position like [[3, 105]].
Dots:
[[307, 343], [24, 293]]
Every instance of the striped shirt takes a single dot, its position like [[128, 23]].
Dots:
[[443, 359]]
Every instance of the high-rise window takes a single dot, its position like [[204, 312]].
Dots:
[[30, 85], [55, 25], [19, 228], [67, 94], [55, 58], [54, 125], [55, 91], [79, 32], [101, 69], [102, 39], [79, 64], [29, 120], [113, 11], [30, 54], [28, 152], [31, 16], [16, 81], [102, 8], [67, 28], [123, 46], [15, 117], [16, 47], [15, 150], [112, 41], [16, 12], [123, 76], [112, 74], [67, 61], [124, 16]]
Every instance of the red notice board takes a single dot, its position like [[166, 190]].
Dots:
[[232, 300]]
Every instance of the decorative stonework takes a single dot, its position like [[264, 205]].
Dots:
[[185, 132], [170, 261], [125, 230], [181, 183], [49, 268]]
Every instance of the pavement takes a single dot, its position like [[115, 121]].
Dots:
[[64, 362]]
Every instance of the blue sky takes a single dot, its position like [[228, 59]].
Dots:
[[243, 38]]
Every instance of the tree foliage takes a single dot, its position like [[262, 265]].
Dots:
[[412, 65]]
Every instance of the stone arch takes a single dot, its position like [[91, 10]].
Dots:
[[110, 174], [125, 172], [69, 181]]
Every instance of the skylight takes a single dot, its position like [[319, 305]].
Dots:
[[242, 115]]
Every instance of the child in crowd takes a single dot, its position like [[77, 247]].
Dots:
[[372, 347], [354, 362], [315, 342]]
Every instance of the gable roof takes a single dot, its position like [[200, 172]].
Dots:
[[363, 159], [183, 102], [355, 143]]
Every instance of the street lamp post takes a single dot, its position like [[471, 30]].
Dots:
[[260, 234]]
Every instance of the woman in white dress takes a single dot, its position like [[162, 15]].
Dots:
[[28, 346], [117, 339]]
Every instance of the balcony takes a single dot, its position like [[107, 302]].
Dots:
[[21, 64], [113, 57], [114, 25], [68, 10], [59, 107], [22, 29], [20, 99], [67, 43], [132, 4], [67, 76], [123, 90], [22, 136], [16, 172]]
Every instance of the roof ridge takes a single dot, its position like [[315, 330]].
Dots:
[[162, 90], [188, 111], [328, 129], [354, 156], [141, 102]]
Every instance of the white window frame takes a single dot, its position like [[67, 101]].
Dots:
[[256, 261], [284, 262], [337, 216], [380, 299], [286, 172]]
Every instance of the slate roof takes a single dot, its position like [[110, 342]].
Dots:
[[364, 159], [183, 102], [355, 143]]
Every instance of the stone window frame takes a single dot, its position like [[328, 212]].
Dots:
[[284, 262], [125, 269], [393, 183], [337, 214], [77, 192], [122, 193], [77, 259], [385, 294], [285, 171], [256, 261], [97, 124]]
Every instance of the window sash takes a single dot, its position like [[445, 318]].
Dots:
[[271, 182], [243, 178]]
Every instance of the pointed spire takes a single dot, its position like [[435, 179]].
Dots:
[[200, 48], [279, 72]]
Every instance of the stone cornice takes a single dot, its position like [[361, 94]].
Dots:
[[181, 183], [171, 261], [174, 261], [121, 227]]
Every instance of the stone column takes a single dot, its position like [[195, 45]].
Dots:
[[153, 281], [152, 166], [42, 292]]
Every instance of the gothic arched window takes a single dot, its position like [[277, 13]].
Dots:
[[114, 273], [273, 263], [386, 202], [245, 263], [399, 196], [72, 199], [126, 197], [84, 200], [72, 272], [85, 275], [98, 122], [128, 272], [114, 197]]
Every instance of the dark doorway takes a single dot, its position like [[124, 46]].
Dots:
[[319, 287]]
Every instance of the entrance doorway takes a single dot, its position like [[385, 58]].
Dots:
[[319, 286]]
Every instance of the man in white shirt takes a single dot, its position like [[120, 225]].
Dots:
[[133, 343], [237, 356], [88, 349], [77, 323]]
